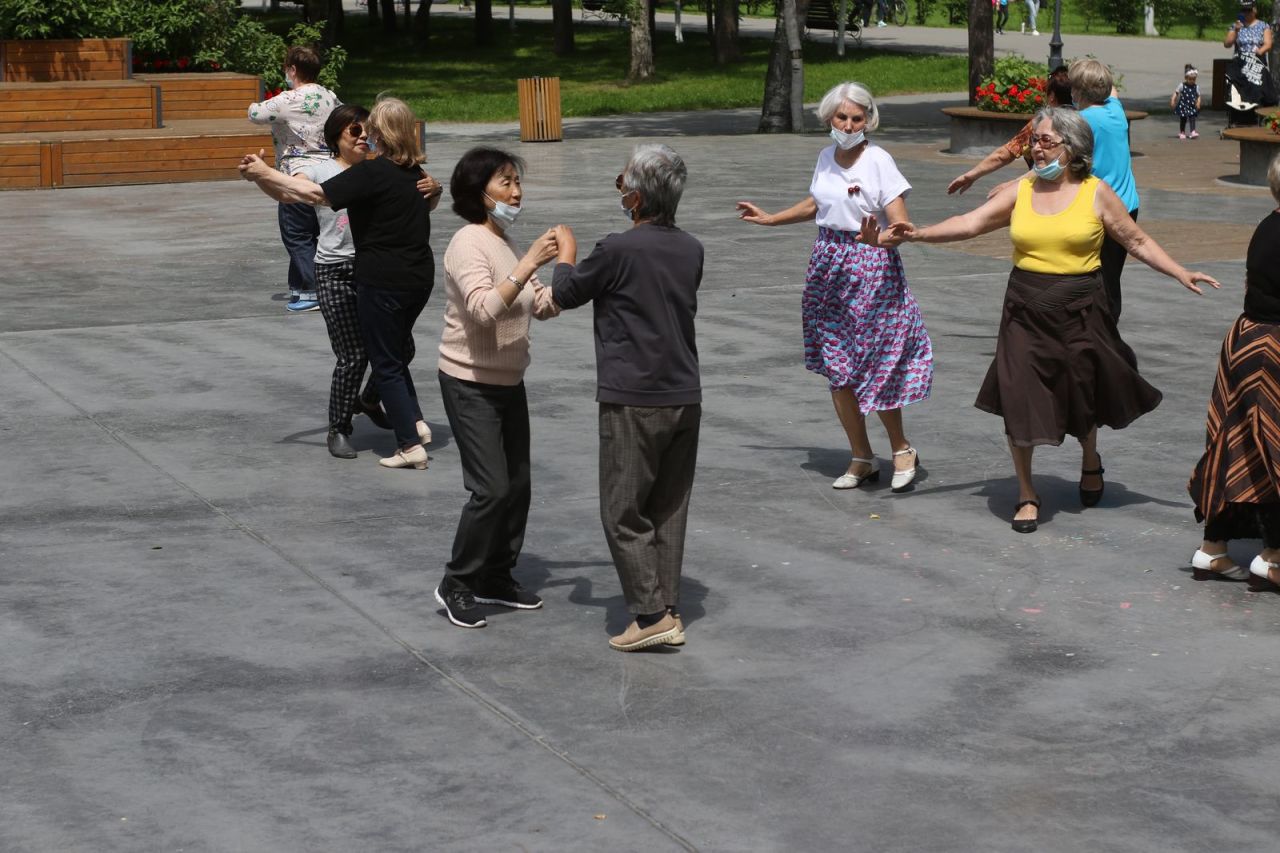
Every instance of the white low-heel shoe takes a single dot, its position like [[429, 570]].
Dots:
[[852, 481], [414, 457], [1202, 568], [1260, 575], [424, 432], [902, 480]]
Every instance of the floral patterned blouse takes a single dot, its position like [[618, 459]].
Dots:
[[297, 117]]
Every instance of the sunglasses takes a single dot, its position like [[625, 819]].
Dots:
[[1045, 142], [356, 130], [617, 182]]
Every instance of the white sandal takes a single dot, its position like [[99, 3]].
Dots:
[[902, 480], [1260, 575], [852, 481], [1202, 568]]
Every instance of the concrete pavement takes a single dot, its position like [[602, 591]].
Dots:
[[218, 638]]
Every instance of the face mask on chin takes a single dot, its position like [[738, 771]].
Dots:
[[845, 141], [504, 215], [1049, 171], [629, 212]]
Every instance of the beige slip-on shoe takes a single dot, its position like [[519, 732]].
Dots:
[[636, 638]]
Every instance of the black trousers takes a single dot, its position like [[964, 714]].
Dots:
[[1246, 521], [490, 425], [1113, 256], [386, 324]]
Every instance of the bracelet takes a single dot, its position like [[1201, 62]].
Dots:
[[517, 282]]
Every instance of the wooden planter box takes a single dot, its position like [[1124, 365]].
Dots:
[[56, 60], [220, 94], [976, 132]]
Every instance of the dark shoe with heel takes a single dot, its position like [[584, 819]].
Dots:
[[1026, 525], [339, 446], [373, 411], [1090, 497]]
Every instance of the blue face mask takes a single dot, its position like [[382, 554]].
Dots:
[[845, 141], [289, 81], [1049, 171], [504, 215], [629, 212]]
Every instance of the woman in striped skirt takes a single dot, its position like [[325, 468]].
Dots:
[[1236, 484]]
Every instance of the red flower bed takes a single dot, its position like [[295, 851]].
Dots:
[[1026, 97], [144, 64]]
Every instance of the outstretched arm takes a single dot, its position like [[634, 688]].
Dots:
[[801, 211], [281, 187], [1121, 227], [991, 215]]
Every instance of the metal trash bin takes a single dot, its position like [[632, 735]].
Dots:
[[539, 109]]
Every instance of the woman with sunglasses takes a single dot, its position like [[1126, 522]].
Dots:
[[1061, 367], [862, 326]]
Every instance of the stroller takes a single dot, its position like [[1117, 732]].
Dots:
[[1249, 86]]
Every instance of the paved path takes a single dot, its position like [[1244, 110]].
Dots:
[[216, 637]]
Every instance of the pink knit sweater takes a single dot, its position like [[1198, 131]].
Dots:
[[485, 340]]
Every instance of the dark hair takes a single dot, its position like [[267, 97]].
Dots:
[[1061, 91], [472, 175], [305, 60], [338, 121]]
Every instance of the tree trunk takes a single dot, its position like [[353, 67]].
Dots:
[[373, 13], [653, 25], [484, 23], [725, 43], [408, 15], [333, 23], [313, 11], [641, 42], [562, 27], [389, 24], [982, 50], [778, 114], [422, 24]]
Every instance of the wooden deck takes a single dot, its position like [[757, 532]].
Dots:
[[191, 150], [220, 94], [79, 105]]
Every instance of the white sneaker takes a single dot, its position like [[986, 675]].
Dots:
[[1035, 32]]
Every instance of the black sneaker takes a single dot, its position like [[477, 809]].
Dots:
[[460, 607], [512, 595]]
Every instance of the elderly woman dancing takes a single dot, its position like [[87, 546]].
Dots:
[[1060, 367], [862, 326], [1236, 483]]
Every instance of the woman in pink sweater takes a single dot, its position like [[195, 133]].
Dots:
[[492, 293]]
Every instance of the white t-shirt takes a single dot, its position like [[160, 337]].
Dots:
[[334, 244], [845, 196]]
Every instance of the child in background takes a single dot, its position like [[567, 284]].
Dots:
[[1186, 102]]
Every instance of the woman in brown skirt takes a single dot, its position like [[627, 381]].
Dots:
[[1060, 367], [1236, 484]]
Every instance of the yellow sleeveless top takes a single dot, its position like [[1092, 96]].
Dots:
[[1065, 243]]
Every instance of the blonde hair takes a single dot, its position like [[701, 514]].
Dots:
[[855, 93], [1091, 81], [395, 126], [1273, 178]]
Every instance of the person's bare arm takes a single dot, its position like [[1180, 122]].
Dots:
[[286, 188], [1121, 227], [993, 214], [1231, 34], [994, 161], [801, 211]]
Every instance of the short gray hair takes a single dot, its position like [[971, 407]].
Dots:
[[1273, 177], [658, 174], [1077, 137], [855, 93], [1091, 82]]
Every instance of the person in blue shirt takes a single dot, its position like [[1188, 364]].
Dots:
[[1093, 90]]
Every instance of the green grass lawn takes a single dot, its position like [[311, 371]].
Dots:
[[452, 80]]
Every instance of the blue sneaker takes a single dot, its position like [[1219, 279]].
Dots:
[[304, 303]]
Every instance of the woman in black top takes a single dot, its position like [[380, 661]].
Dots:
[[1236, 484], [389, 200]]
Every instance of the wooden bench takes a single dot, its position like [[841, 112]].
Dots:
[[53, 60], [221, 94], [20, 166], [1258, 146], [822, 16], [975, 132], [81, 105]]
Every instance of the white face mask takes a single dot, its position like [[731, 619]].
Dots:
[[504, 215], [289, 82], [845, 141], [630, 212]]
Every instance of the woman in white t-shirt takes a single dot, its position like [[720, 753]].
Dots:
[[862, 326]]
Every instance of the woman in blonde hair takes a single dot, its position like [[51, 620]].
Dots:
[[389, 200]]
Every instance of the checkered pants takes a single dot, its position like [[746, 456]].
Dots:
[[337, 290]]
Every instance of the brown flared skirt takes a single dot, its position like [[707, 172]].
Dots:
[[1240, 467], [1061, 367]]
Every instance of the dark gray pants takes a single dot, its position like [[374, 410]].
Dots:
[[647, 460], [1113, 255], [490, 425]]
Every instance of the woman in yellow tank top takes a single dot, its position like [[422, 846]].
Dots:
[[1061, 367]]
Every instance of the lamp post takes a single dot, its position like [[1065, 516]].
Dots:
[[1055, 43]]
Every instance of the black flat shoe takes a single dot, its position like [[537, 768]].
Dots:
[[1027, 525], [339, 446], [1090, 497], [373, 412]]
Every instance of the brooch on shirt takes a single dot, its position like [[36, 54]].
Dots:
[[854, 188]]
